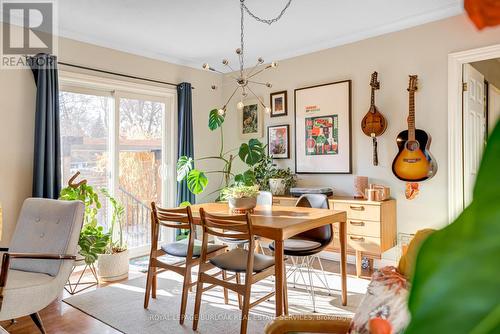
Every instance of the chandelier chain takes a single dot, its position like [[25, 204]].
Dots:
[[267, 21]]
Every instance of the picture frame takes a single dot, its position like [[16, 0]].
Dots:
[[250, 119], [279, 104], [278, 141], [323, 117]]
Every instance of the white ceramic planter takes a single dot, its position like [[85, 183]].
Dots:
[[242, 204], [277, 187], [113, 267]]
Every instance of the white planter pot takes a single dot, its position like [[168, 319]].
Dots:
[[277, 187], [113, 267], [242, 204]]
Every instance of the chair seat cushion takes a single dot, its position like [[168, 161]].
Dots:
[[236, 261], [179, 249], [292, 246]]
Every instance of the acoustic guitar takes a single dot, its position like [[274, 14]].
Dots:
[[414, 161], [374, 123]]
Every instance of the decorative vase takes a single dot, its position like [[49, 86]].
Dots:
[[277, 186], [242, 205], [113, 267]]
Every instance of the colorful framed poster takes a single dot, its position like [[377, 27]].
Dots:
[[279, 104], [250, 119], [323, 129], [278, 141]]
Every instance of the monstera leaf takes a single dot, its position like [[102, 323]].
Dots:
[[196, 181], [215, 120], [247, 178], [184, 166], [252, 152], [456, 286]]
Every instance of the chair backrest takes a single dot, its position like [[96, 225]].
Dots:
[[323, 234], [228, 226], [265, 198], [46, 226], [176, 218]]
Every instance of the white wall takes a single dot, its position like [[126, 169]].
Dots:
[[17, 114], [421, 50]]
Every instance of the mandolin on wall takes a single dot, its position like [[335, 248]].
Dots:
[[414, 161]]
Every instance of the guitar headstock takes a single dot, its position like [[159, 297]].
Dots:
[[412, 85], [374, 83]]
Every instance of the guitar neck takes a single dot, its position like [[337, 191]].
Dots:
[[411, 117], [372, 103]]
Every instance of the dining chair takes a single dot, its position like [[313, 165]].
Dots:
[[304, 248], [189, 251], [255, 267], [265, 198]]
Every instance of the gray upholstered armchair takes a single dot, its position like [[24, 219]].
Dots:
[[40, 257]]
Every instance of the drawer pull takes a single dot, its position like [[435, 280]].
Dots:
[[357, 238], [357, 207], [357, 223]]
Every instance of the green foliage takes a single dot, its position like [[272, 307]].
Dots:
[[88, 196], [240, 191], [115, 246], [215, 120], [184, 204], [93, 241], [252, 152], [456, 285], [196, 181], [265, 169]]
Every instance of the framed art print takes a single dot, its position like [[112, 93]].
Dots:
[[323, 129], [250, 119], [278, 140], [279, 104]]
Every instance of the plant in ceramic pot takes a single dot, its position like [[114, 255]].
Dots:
[[241, 198], [113, 264], [269, 177]]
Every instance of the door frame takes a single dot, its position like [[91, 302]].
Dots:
[[456, 61]]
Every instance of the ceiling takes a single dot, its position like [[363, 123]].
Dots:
[[191, 32]]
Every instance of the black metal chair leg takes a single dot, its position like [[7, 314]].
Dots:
[[38, 322]]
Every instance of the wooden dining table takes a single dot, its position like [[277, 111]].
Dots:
[[279, 223]]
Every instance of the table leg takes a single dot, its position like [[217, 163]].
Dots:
[[359, 261], [343, 260], [279, 264]]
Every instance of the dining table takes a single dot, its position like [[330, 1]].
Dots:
[[279, 223]]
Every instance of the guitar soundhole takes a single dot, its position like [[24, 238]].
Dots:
[[412, 145]]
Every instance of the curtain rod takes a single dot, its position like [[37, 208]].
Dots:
[[118, 74]]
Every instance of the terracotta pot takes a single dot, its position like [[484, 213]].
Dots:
[[113, 267], [242, 204], [277, 187]]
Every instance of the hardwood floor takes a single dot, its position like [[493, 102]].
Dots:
[[62, 318]]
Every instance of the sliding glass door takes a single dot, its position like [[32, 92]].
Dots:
[[120, 140]]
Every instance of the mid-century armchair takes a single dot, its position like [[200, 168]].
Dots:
[[40, 257]]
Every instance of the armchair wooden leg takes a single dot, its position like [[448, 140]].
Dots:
[[38, 322], [197, 303], [149, 282], [185, 293], [244, 311]]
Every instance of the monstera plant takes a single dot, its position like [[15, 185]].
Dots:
[[456, 285], [250, 153]]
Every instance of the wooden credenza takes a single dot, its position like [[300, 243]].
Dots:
[[371, 226]]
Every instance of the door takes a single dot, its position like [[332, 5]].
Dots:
[[493, 106], [474, 127]]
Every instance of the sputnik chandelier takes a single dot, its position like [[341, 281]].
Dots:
[[244, 77]]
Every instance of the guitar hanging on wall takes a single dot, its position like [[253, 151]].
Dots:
[[414, 161], [374, 123]]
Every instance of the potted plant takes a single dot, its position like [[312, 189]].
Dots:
[[113, 264], [241, 198], [93, 241], [269, 177]]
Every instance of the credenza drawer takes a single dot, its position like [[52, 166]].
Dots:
[[363, 243], [363, 227], [284, 201], [359, 211]]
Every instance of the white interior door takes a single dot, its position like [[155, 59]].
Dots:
[[474, 128], [493, 106]]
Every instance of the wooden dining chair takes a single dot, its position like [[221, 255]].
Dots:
[[178, 218], [256, 267]]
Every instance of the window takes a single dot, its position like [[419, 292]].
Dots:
[[119, 136]]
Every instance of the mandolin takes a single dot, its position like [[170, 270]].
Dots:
[[414, 161], [374, 123]]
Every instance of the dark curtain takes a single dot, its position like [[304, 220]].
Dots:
[[185, 136], [47, 152]]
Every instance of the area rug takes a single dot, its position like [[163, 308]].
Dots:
[[121, 306]]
